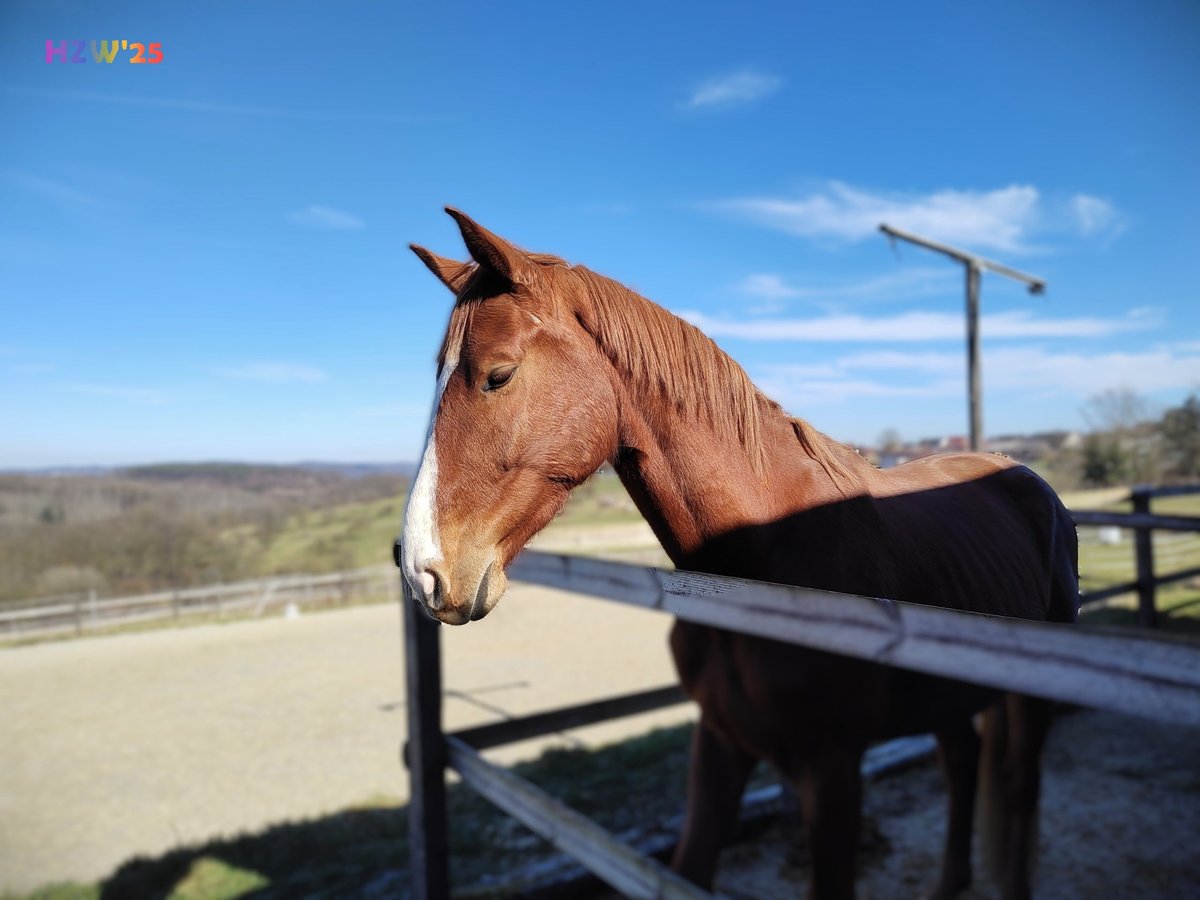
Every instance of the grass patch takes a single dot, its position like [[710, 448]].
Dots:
[[353, 535]]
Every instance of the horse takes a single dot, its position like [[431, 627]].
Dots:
[[548, 370]]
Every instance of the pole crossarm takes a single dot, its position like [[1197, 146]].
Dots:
[[1036, 285]]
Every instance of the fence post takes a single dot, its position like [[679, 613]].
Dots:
[[1144, 548], [429, 869], [79, 615]]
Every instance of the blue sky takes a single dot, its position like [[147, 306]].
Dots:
[[206, 258]]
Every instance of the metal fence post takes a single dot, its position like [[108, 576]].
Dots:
[[1144, 548], [429, 869]]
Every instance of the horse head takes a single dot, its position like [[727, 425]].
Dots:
[[525, 409]]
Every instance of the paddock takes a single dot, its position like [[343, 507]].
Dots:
[[141, 742]]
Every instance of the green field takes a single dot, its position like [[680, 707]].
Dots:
[[1102, 564], [351, 535]]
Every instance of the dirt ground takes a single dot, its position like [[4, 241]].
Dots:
[[1120, 819], [136, 743]]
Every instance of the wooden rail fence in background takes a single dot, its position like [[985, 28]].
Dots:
[[87, 613], [1130, 672], [1143, 523]]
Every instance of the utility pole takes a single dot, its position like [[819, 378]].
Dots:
[[974, 266]]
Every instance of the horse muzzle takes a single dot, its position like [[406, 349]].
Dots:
[[455, 593]]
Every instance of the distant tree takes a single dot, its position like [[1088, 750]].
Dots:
[[1120, 410], [889, 440], [1102, 460], [1126, 442], [69, 579], [1181, 437]]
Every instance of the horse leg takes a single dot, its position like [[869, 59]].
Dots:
[[831, 794], [716, 779], [1028, 724], [958, 753]]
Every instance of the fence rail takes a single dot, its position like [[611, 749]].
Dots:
[[1143, 523], [84, 614], [1138, 673]]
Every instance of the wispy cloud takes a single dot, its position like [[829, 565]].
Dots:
[[1004, 219], [1021, 370], [914, 326], [734, 89], [140, 395], [48, 188], [316, 216], [1094, 215], [268, 372], [218, 107], [903, 284]]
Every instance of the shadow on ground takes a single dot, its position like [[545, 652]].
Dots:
[[363, 852]]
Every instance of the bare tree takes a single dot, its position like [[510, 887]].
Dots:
[[1124, 433]]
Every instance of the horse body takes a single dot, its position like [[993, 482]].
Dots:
[[732, 485]]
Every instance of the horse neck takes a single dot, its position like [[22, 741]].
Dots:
[[695, 478], [694, 485]]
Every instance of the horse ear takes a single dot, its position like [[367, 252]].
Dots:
[[493, 251], [450, 272]]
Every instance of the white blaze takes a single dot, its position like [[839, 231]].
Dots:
[[419, 542]]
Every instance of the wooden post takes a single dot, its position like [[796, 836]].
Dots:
[[1143, 542], [429, 868], [975, 408], [974, 266]]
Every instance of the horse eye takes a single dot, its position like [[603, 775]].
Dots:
[[498, 378]]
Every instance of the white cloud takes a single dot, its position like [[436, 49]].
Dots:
[[767, 286], [273, 373], [315, 216], [735, 89], [912, 326], [1004, 219], [1020, 370], [1093, 215], [908, 282]]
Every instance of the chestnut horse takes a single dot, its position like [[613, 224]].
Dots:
[[548, 370]]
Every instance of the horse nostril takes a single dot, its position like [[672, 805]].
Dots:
[[428, 583], [433, 586]]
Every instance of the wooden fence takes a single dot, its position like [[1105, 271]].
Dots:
[[1143, 523], [1129, 672], [84, 613]]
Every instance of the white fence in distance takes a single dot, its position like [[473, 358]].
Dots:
[[254, 597]]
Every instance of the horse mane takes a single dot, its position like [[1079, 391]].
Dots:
[[666, 357], [669, 358]]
